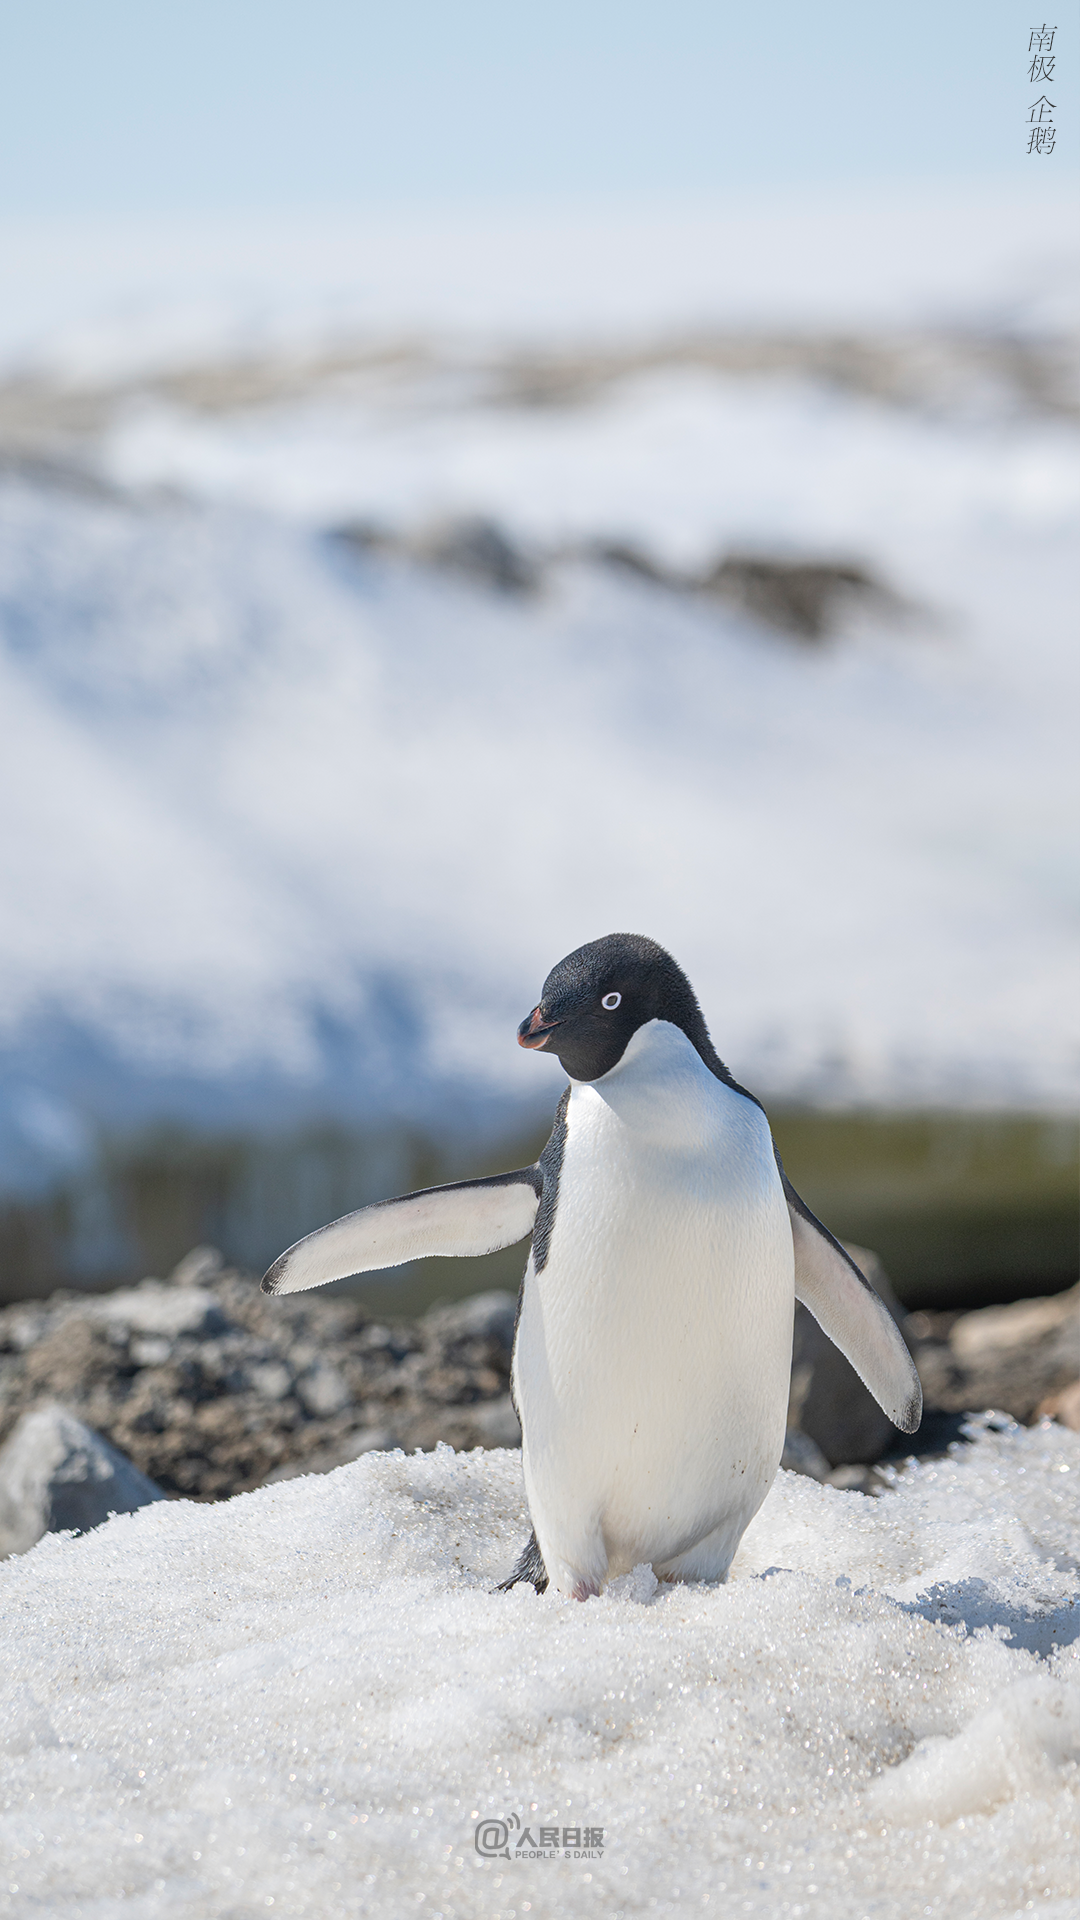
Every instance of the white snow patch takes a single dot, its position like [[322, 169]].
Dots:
[[1016, 1747], [303, 1700]]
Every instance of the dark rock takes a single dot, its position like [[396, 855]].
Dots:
[[239, 1387], [367, 1440], [629, 558], [473, 546], [803, 1455], [484, 1316], [478, 549], [498, 1422], [56, 1474], [806, 598], [801, 597], [938, 1432]]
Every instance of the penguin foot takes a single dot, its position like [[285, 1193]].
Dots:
[[530, 1566]]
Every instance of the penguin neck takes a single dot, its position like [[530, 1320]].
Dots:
[[661, 1087]]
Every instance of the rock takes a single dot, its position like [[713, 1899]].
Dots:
[[1018, 1358], [367, 1440], [480, 550], [485, 1316], [72, 1355], [629, 558], [25, 1326], [800, 597], [803, 1455], [271, 1379], [152, 1351], [202, 1264], [155, 1307], [1063, 1407], [828, 1400], [252, 1388], [323, 1391], [498, 1422], [857, 1480], [983, 1337], [56, 1474], [366, 536], [216, 1409]]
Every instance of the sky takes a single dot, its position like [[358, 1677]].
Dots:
[[135, 107]]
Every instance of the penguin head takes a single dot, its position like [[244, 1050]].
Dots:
[[595, 1000]]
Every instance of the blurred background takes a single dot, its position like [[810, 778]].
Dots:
[[472, 480]]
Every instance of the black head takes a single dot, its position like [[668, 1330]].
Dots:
[[598, 997]]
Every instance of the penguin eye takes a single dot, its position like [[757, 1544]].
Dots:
[[611, 1001]]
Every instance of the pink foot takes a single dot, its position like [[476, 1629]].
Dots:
[[585, 1590]]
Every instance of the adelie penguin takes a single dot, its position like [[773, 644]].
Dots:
[[652, 1355]]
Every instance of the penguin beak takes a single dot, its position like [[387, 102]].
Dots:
[[534, 1031]]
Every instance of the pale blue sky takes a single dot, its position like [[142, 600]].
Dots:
[[134, 106]]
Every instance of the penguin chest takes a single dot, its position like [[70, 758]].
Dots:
[[654, 1347]]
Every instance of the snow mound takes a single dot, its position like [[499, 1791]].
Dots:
[[308, 1699]]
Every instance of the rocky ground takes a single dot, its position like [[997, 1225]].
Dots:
[[211, 1388]]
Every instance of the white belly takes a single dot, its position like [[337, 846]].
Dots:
[[654, 1349]]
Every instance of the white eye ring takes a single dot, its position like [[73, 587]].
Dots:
[[611, 1001]]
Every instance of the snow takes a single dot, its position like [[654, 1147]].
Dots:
[[88, 300], [328, 775], [100, 300], [290, 830], [305, 1699]]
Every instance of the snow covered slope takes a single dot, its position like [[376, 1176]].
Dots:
[[305, 1701], [111, 299], [292, 827]]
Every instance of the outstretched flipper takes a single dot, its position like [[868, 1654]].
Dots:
[[470, 1217], [845, 1306]]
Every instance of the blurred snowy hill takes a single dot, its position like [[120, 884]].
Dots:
[[368, 643]]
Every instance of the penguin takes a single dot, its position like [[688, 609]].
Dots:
[[652, 1351]]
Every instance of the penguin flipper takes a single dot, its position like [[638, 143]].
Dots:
[[845, 1306], [469, 1217]]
